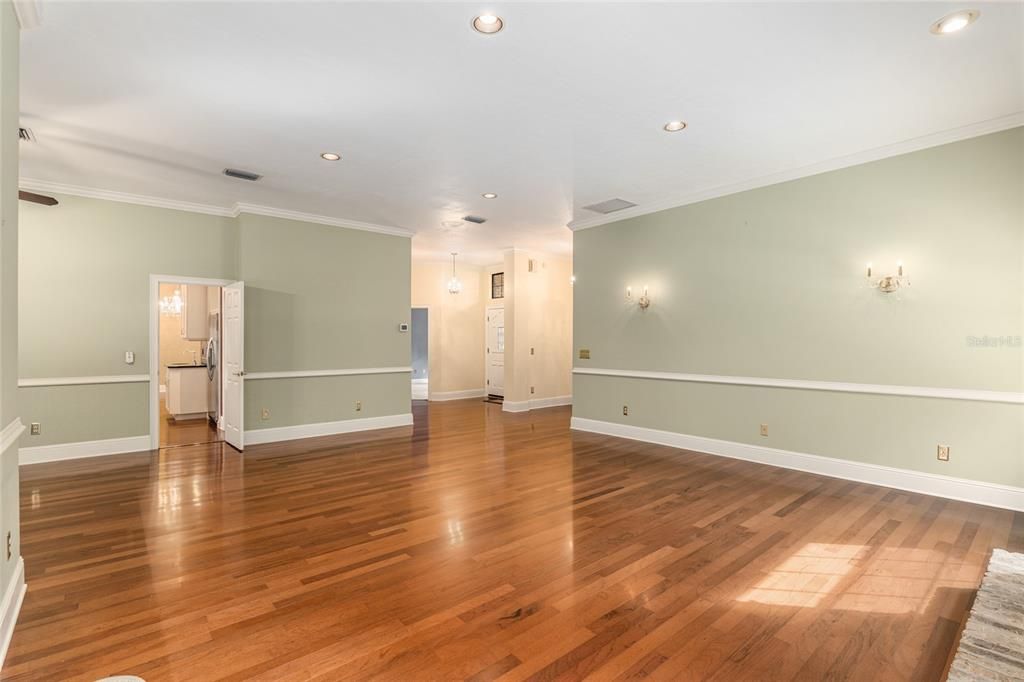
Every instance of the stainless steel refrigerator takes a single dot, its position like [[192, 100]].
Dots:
[[213, 370]]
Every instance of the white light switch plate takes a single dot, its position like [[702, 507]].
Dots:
[[129, 357]]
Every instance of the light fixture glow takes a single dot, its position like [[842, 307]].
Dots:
[[644, 301], [454, 285], [330, 156], [675, 126], [887, 284], [489, 195], [951, 23], [172, 305], [451, 224], [488, 23]]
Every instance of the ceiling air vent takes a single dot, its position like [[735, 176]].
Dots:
[[610, 206], [242, 175], [26, 135], [475, 219]]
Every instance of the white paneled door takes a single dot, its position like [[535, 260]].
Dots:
[[496, 351], [233, 363]]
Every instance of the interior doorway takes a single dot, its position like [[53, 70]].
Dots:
[[495, 352], [420, 353], [186, 378]]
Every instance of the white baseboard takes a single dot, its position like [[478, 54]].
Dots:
[[458, 395], [88, 448], [965, 490], [420, 389], [536, 403], [280, 433], [10, 607]]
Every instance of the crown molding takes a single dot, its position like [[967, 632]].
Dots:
[[994, 125], [270, 211], [29, 13], [123, 197], [209, 209]]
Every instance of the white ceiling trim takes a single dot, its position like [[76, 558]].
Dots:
[[916, 144], [208, 209], [272, 212], [123, 197], [29, 13]]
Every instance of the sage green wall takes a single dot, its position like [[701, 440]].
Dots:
[[312, 400], [85, 267], [316, 297], [70, 414], [84, 300], [320, 297], [771, 283], [9, 108]]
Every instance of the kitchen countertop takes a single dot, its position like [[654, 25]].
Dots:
[[187, 366]]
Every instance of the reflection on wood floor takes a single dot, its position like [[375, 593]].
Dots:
[[187, 432], [480, 544]]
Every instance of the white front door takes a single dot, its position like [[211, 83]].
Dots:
[[496, 351], [233, 362]]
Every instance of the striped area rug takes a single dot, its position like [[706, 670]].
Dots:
[[992, 643]]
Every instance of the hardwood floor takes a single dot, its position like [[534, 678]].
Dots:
[[187, 432], [484, 545]]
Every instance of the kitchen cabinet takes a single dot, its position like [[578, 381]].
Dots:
[[187, 391], [194, 323]]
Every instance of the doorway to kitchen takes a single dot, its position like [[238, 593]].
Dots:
[[185, 363]]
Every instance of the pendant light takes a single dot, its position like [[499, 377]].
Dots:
[[454, 285]]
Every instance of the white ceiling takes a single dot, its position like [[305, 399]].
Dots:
[[562, 109]]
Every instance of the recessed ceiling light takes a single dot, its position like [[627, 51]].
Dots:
[[489, 195], [951, 23], [330, 156], [488, 23], [675, 126]]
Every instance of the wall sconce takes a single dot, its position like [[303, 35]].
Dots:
[[644, 301], [888, 283]]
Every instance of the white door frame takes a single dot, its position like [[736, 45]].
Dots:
[[487, 360], [154, 343]]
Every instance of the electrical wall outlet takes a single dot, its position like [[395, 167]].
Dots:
[[35, 429], [129, 357], [764, 429], [359, 406], [531, 390], [265, 414], [625, 410], [943, 453]]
